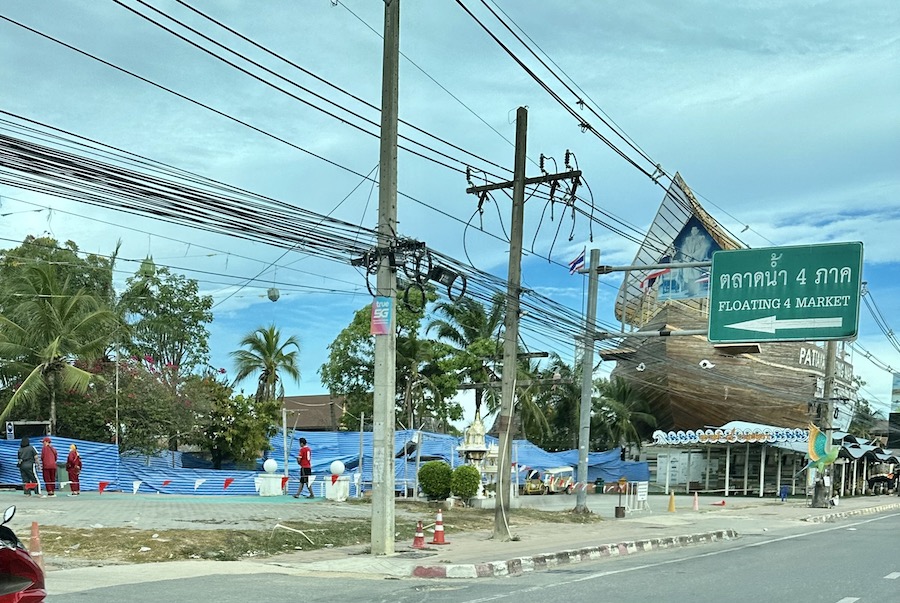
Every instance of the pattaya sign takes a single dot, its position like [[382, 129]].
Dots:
[[729, 436]]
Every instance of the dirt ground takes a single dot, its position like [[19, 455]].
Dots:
[[69, 547]]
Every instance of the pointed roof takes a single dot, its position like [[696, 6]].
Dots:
[[633, 305]]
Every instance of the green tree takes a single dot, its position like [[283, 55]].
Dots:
[[561, 401], [168, 319], [51, 326], [427, 383], [528, 407], [350, 369], [90, 272], [621, 412], [474, 332], [148, 413], [425, 380], [229, 426], [270, 357]]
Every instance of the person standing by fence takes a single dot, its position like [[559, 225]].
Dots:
[[27, 457], [73, 468], [48, 466]]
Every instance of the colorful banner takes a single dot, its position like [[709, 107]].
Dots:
[[731, 436], [381, 316]]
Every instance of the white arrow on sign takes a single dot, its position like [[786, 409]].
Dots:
[[770, 324]]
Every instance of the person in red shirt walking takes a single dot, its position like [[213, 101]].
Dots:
[[305, 460], [73, 468], [48, 466]]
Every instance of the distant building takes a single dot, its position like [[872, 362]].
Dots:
[[314, 413]]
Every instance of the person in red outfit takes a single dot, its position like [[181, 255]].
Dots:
[[305, 460], [73, 468], [48, 466]]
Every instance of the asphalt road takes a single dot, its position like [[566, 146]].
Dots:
[[847, 562]]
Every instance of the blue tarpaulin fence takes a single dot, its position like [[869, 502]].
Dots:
[[164, 473]]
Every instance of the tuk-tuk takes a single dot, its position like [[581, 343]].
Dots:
[[556, 479], [559, 479], [533, 483]]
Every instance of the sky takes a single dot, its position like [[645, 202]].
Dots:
[[781, 116]]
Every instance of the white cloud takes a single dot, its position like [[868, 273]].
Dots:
[[782, 116]]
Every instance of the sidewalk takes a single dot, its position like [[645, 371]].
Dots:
[[476, 554]]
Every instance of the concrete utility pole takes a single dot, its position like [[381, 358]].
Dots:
[[587, 385], [511, 323], [511, 331], [822, 493], [386, 345]]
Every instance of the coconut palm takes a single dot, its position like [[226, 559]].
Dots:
[[473, 331], [621, 410], [43, 334], [562, 401], [268, 356], [528, 407]]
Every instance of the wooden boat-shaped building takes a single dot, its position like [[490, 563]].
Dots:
[[689, 382]]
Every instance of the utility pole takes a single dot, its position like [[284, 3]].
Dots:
[[386, 344], [822, 491], [511, 331], [587, 385], [511, 323]]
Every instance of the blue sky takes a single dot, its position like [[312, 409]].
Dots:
[[782, 116]]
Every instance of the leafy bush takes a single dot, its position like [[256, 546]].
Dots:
[[466, 479], [435, 478]]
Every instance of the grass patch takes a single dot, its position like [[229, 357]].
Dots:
[[126, 545]]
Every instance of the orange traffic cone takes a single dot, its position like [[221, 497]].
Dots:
[[34, 545], [696, 502], [419, 540], [439, 529], [718, 504], [672, 502]]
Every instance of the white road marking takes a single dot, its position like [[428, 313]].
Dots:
[[557, 585], [892, 576]]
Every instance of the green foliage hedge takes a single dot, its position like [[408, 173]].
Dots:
[[435, 479], [466, 479]]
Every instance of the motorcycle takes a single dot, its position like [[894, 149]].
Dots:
[[21, 578]]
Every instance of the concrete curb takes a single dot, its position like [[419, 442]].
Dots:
[[829, 517], [522, 565]]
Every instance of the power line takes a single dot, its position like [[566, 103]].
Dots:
[[292, 95]]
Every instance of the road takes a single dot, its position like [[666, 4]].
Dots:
[[852, 561]]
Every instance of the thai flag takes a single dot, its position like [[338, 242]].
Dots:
[[651, 278], [704, 276], [578, 263]]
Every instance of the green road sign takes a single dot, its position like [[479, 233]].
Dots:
[[802, 293]]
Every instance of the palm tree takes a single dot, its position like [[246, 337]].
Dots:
[[532, 417], [621, 409], [474, 332], [46, 331], [268, 356], [562, 401]]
